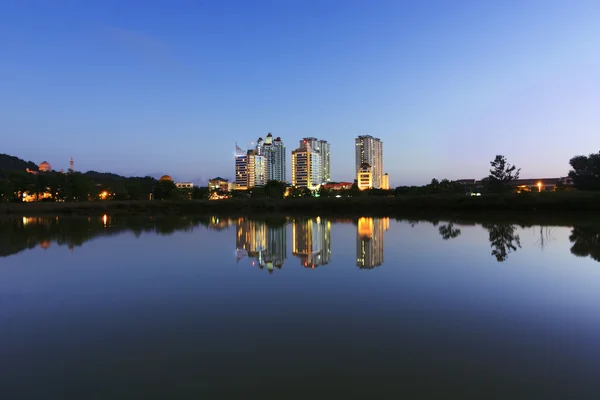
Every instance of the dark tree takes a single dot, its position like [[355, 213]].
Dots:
[[200, 193], [502, 175], [586, 172], [165, 190], [324, 192], [275, 189]]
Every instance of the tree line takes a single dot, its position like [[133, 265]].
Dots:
[[77, 186]]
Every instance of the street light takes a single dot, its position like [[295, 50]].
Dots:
[[539, 186]]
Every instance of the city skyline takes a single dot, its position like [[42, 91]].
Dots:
[[445, 86]]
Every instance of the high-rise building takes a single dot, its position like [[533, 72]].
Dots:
[[324, 148], [274, 152], [369, 241], [301, 176], [250, 169], [241, 168], [370, 150], [321, 161]]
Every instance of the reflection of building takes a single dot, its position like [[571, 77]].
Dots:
[[369, 150], [369, 241], [265, 243], [218, 224], [311, 241], [364, 178]]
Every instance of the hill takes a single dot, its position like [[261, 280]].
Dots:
[[15, 163]]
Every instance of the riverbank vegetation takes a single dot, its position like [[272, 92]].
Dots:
[[92, 193], [361, 205]]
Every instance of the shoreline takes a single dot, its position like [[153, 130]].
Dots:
[[539, 205]]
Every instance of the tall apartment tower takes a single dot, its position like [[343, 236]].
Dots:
[[274, 152], [241, 168], [369, 150], [322, 155], [324, 148], [250, 169], [301, 176]]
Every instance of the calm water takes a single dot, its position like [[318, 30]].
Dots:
[[109, 308]]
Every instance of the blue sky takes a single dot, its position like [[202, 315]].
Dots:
[[153, 87]]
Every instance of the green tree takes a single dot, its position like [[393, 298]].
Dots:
[[275, 189], [502, 175], [585, 172]]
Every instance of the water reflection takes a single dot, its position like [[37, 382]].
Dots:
[[503, 240], [586, 242], [448, 231], [311, 241], [369, 241], [264, 241]]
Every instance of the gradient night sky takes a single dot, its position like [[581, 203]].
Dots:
[[153, 87]]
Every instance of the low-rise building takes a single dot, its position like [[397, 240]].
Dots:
[[338, 185], [364, 178], [219, 183]]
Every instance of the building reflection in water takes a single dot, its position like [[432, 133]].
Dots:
[[369, 241], [265, 244], [311, 241]]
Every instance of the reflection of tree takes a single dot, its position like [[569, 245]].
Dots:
[[17, 235], [586, 242], [503, 240], [448, 231]]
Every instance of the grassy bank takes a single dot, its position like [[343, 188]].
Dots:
[[539, 203]]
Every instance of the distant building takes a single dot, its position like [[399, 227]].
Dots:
[[184, 185], [301, 176], [364, 178], [166, 178], [321, 159], [241, 168], [385, 182], [45, 167], [527, 185], [274, 152], [250, 169], [369, 150], [338, 185], [218, 183]]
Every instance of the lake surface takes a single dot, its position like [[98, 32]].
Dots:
[[109, 308]]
